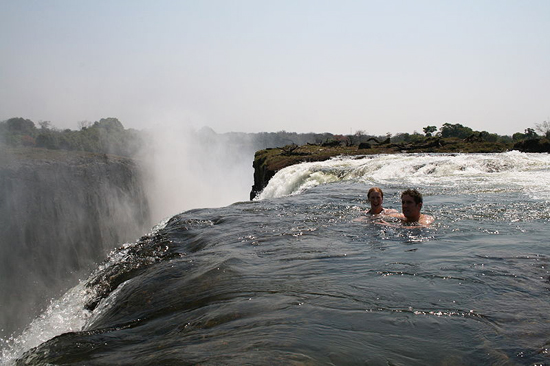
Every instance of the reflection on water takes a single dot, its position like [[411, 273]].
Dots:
[[295, 280]]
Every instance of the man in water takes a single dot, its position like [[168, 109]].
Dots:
[[411, 204]]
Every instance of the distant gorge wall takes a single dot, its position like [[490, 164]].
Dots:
[[60, 212]]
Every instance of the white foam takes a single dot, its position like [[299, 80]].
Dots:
[[66, 314], [529, 173]]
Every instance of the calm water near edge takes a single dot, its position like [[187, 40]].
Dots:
[[294, 280]]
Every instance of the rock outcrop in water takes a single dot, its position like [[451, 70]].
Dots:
[[268, 161], [61, 212], [541, 145]]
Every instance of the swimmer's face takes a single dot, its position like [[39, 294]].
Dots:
[[375, 199], [410, 208]]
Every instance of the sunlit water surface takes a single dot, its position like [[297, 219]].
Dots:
[[296, 280]]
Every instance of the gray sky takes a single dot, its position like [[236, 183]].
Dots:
[[303, 66]]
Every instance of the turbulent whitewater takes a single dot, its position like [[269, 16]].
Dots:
[[291, 278]]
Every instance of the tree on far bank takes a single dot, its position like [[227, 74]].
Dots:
[[529, 134], [456, 130], [428, 130], [21, 125], [18, 131], [543, 128]]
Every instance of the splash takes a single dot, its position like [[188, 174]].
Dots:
[[66, 314], [528, 173], [69, 313]]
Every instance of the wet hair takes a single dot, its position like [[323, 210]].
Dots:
[[417, 196], [375, 189]]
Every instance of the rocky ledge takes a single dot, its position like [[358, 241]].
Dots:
[[267, 162]]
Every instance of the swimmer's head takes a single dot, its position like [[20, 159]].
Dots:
[[416, 196], [375, 189]]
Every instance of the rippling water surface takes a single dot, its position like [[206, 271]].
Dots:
[[295, 280]]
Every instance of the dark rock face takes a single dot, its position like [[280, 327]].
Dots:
[[533, 145], [268, 161], [60, 214], [262, 174]]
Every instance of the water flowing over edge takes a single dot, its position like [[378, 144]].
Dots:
[[66, 314], [530, 173]]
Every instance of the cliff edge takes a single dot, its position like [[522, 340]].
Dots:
[[268, 161], [61, 213]]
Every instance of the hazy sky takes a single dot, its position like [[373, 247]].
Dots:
[[252, 65]]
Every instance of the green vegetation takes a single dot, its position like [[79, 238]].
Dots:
[[106, 136], [109, 136], [451, 138]]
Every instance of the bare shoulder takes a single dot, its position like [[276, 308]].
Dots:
[[390, 211], [397, 215], [423, 221], [426, 219]]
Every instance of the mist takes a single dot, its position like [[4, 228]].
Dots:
[[63, 211], [184, 168]]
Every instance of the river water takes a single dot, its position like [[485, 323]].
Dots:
[[293, 279]]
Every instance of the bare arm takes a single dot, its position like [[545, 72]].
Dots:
[[424, 221]]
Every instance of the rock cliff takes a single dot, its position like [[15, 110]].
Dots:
[[268, 161], [61, 212], [541, 145]]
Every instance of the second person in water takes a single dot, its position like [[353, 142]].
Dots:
[[376, 199]]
